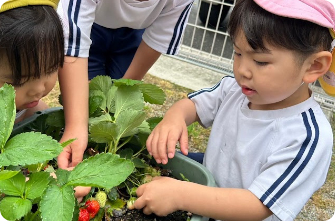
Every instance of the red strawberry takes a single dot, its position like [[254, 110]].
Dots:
[[92, 207], [83, 215]]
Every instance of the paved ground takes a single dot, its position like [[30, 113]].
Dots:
[[184, 74]]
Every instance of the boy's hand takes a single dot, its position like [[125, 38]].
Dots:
[[153, 197], [161, 143]]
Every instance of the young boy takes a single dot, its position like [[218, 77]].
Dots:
[[119, 38], [270, 145]]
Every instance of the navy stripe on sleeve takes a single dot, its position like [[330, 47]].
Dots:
[[179, 26], [195, 93], [72, 28], [295, 161], [76, 13], [69, 12]]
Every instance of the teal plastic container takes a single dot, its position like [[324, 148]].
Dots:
[[180, 164]]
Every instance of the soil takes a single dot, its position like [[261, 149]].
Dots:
[[138, 215]]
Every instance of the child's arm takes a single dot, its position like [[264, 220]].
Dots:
[[173, 128], [165, 195], [143, 59], [73, 81]]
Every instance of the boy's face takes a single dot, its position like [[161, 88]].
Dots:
[[270, 79], [29, 93]]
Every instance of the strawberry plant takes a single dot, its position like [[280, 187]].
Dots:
[[32, 194], [118, 130]]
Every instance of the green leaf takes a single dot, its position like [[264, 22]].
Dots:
[[97, 100], [62, 176], [13, 208], [139, 163], [153, 121], [7, 113], [152, 94], [126, 153], [104, 170], [29, 148], [127, 82], [95, 120], [128, 98], [7, 174], [110, 99], [115, 204], [101, 83], [56, 119], [65, 143], [127, 121], [103, 132], [36, 184], [144, 128], [14, 186], [57, 203]]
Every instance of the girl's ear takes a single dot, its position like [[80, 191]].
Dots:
[[318, 64]]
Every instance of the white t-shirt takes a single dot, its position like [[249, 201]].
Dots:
[[282, 156], [164, 21]]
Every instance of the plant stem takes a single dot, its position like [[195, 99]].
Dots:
[[139, 152], [121, 145]]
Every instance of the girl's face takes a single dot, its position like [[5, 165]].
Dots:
[[270, 79], [29, 93]]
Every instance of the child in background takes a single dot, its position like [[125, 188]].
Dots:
[[119, 38], [31, 52], [270, 145]]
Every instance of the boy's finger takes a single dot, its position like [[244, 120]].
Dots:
[[154, 147], [184, 142], [139, 203], [171, 147], [162, 147], [148, 144], [140, 190]]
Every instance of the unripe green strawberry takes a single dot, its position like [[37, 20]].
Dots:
[[101, 197]]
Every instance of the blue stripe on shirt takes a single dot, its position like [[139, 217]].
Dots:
[[180, 20], [69, 12], [181, 27], [76, 13], [193, 94], [295, 161], [72, 21]]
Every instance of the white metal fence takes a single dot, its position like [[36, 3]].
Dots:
[[206, 42]]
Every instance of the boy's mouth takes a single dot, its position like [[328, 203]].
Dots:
[[248, 91]]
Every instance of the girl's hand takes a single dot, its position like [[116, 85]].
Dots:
[[161, 143], [73, 153], [160, 196]]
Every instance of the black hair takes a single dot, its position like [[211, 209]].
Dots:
[[31, 41], [259, 26]]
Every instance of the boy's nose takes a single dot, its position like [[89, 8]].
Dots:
[[244, 71]]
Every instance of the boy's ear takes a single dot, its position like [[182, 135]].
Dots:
[[318, 64]]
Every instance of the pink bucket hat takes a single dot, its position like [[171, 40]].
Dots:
[[320, 12]]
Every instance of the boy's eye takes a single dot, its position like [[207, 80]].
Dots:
[[260, 63], [236, 54]]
